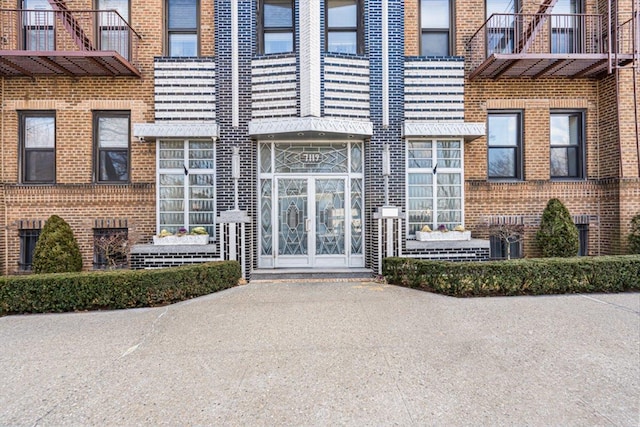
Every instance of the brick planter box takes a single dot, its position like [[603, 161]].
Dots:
[[430, 236], [189, 239]]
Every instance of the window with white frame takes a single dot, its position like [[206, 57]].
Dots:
[[186, 185], [435, 184]]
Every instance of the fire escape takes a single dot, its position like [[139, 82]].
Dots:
[[57, 41], [543, 44]]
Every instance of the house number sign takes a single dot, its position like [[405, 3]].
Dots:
[[310, 158]]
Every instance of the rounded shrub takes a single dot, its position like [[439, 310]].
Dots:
[[558, 235], [57, 250], [634, 236]]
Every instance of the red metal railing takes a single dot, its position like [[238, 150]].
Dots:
[[519, 33], [68, 30]]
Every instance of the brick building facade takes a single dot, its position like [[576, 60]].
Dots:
[[332, 130]]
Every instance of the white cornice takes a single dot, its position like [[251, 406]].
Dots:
[[151, 131], [295, 125], [469, 131]]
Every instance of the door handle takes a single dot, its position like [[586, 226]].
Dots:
[[307, 225]]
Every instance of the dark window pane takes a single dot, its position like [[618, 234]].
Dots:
[[434, 13], [342, 42], [435, 43], [182, 14], [113, 165], [278, 42], [278, 13], [559, 162], [28, 240], [583, 236], [502, 162], [39, 166], [342, 13]]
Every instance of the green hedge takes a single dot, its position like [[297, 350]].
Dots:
[[517, 277], [42, 293]]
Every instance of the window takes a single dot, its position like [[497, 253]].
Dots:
[[182, 27], [111, 136], [435, 23], [186, 185], [28, 239], [566, 27], [275, 20], [501, 27], [498, 248], [113, 31], [38, 145], [504, 145], [435, 184], [583, 236], [110, 248], [37, 25], [344, 26], [566, 145]]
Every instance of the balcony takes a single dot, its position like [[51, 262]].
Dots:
[[547, 45], [76, 43]]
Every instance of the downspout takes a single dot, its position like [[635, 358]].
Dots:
[[4, 190]]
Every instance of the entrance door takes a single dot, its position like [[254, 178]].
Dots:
[[311, 225]]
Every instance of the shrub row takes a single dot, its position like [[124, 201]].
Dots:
[[517, 277], [40, 293]]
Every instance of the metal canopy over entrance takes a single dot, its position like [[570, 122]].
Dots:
[[311, 204]]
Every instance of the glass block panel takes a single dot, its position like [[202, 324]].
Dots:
[[420, 155], [449, 154]]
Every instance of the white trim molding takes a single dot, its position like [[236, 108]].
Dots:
[[299, 125], [151, 131], [310, 30], [235, 67], [468, 131]]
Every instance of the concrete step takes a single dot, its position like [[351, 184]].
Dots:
[[267, 274]]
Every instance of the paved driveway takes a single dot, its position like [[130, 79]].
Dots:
[[310, 353]]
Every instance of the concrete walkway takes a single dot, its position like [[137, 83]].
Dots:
[[348, 353]]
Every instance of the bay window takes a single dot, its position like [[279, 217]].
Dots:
[[435, 184], [186, 185]]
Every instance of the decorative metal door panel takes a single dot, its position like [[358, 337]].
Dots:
[[330, 221], [293, 218], [311, 205]]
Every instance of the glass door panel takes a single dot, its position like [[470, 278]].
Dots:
[[330, 220], [293, 218]]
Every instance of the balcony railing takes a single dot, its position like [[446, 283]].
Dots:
[[537, 45], [67, 42]]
